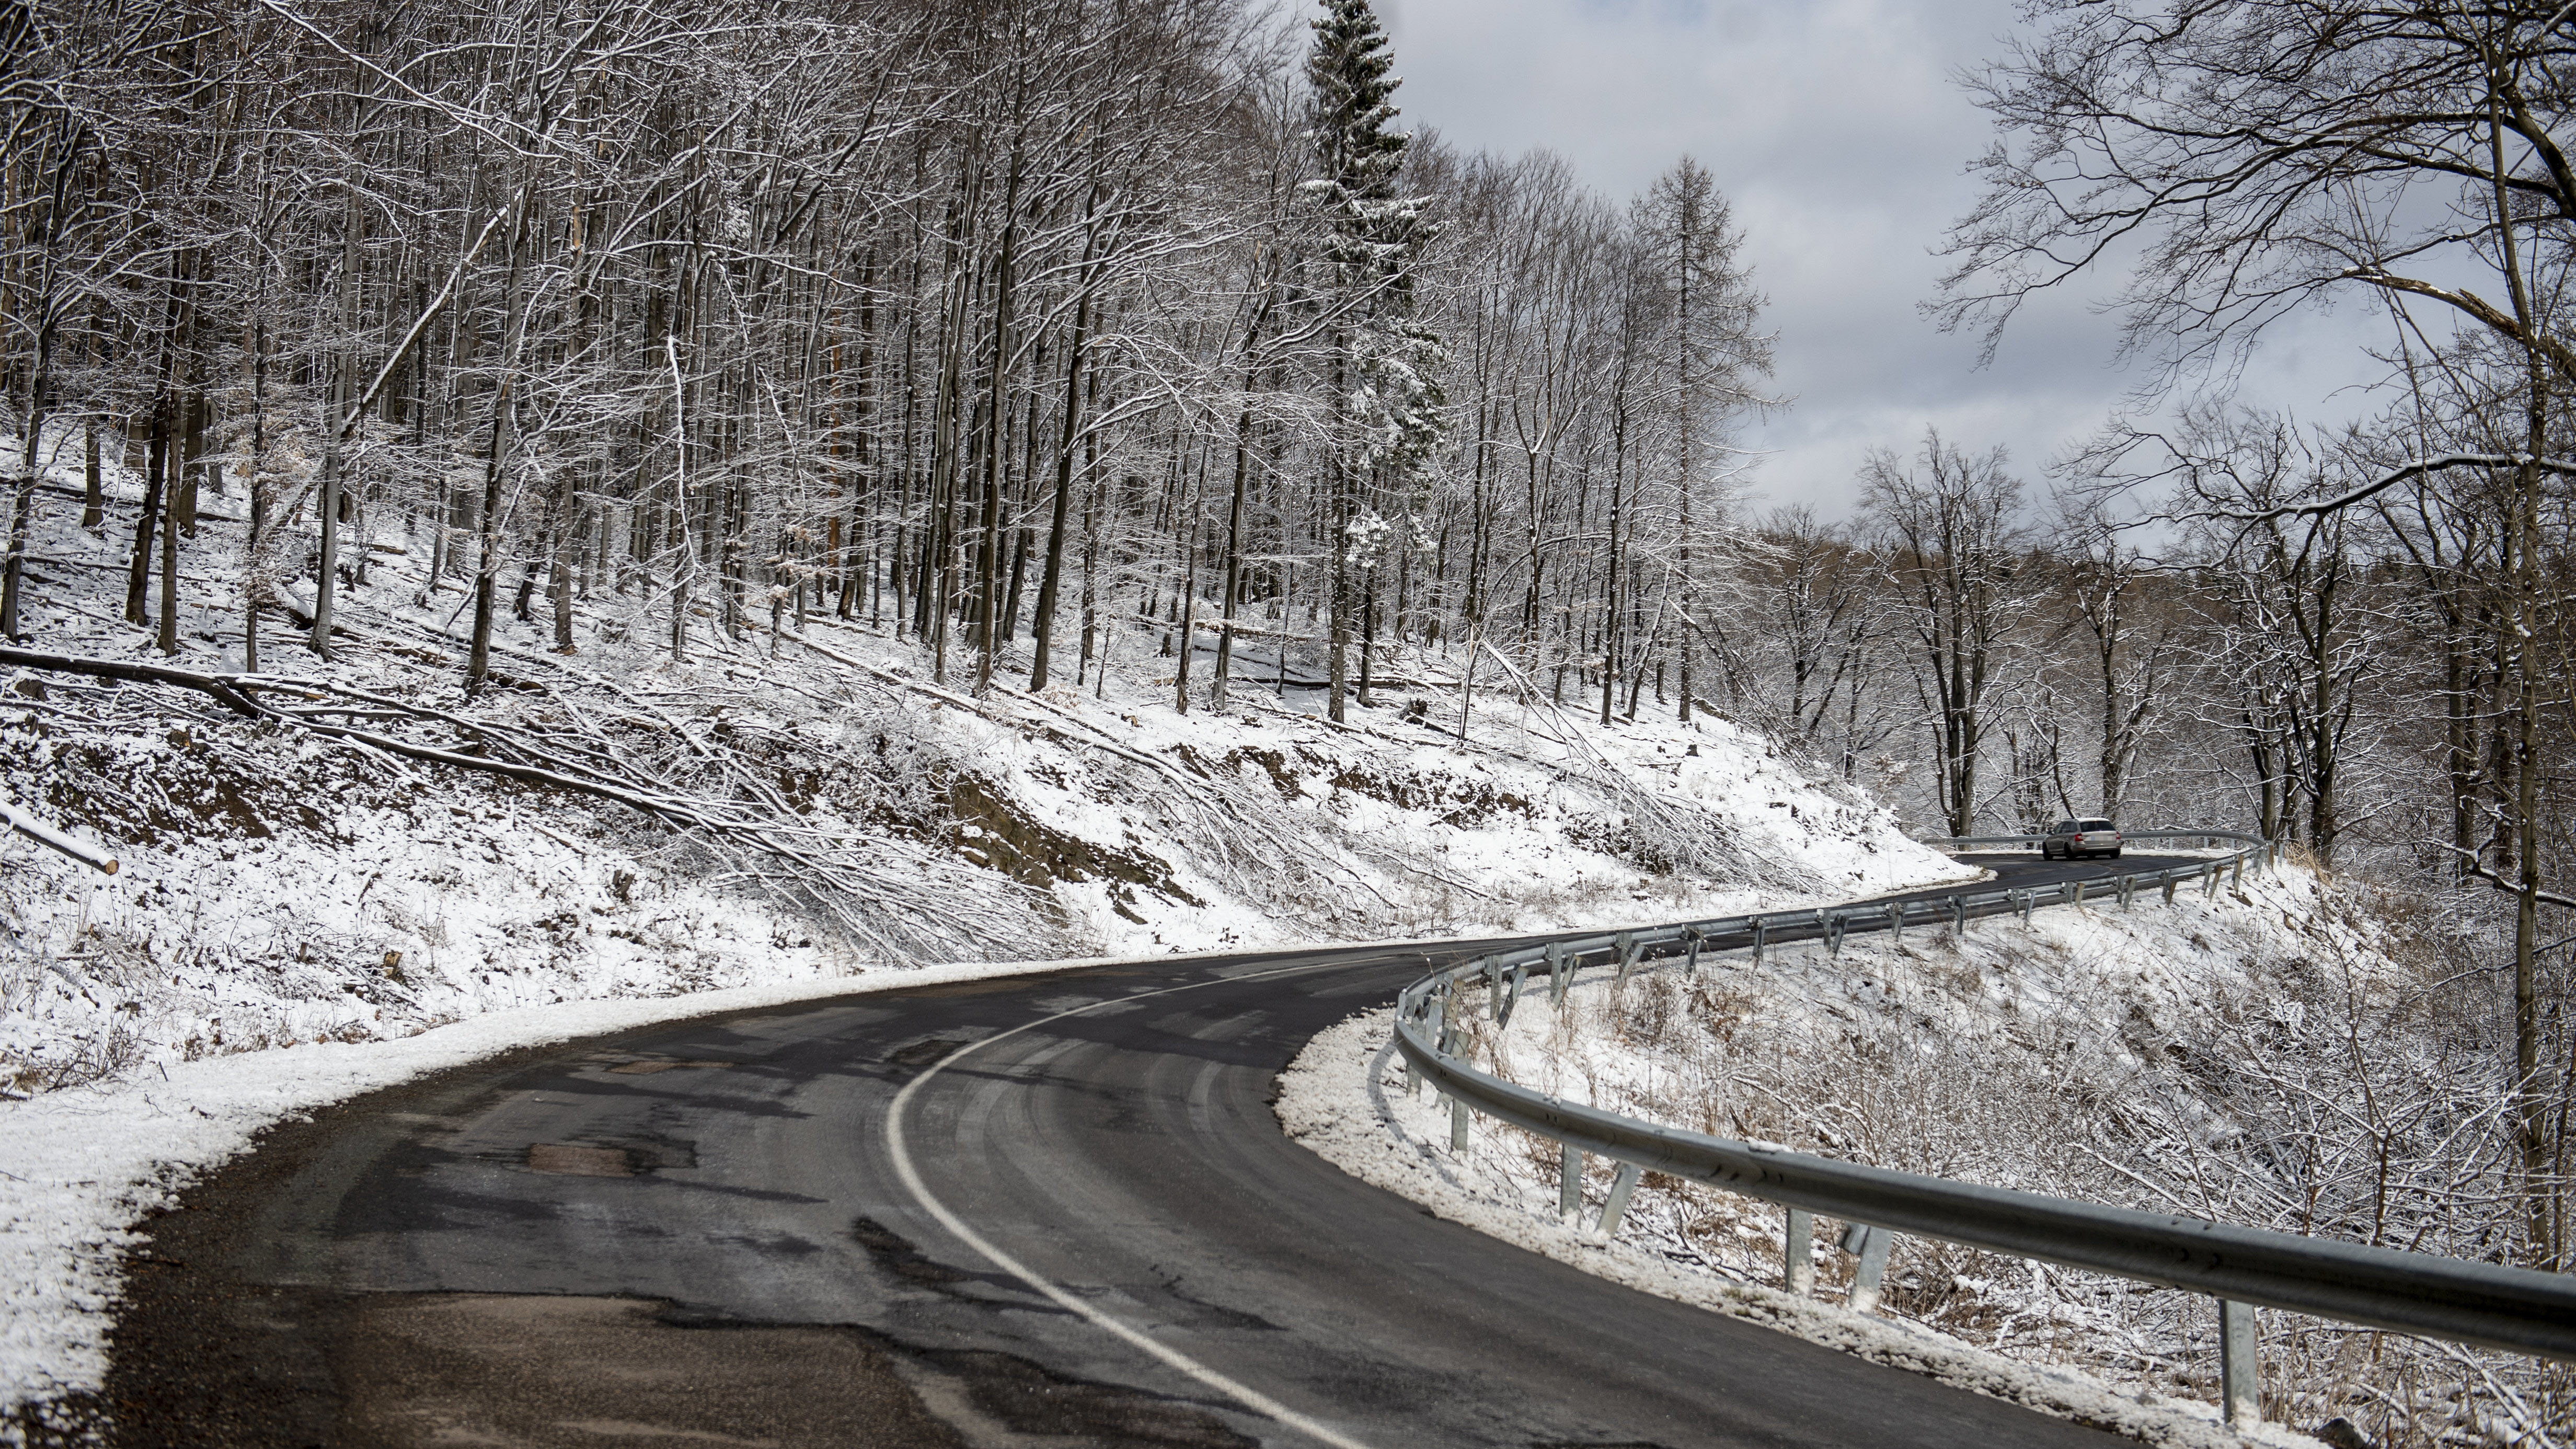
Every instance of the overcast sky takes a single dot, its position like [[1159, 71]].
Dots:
[[1836, 130]]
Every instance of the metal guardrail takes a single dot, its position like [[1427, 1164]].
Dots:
[[2515, 1309]]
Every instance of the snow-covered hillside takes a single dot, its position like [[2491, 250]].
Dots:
[[2266, 1057], [297, 877], [323, 883]]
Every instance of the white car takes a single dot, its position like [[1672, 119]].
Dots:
[[2069, 839]]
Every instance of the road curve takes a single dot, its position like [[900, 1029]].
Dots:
[[1031, 1211]]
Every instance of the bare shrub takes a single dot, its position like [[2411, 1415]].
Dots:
[[2326, 1069]]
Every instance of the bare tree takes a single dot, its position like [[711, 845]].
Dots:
[[2262, 154], [2136, 637], [1949, 533]]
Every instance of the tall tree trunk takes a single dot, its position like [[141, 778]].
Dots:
[[564, 539], [173, 489], [988, 627], [22, 499], [683, 569], [2530, 1104], [138, 576], [255, 541], [1194, 498], [1051, 580], [342, 387], [866, 480], [1338, 514], [1224, 673], [1020, 544], [1610, 578], [939, 543], [1092, 508], [487, 566], [93, 478], [488, 546]]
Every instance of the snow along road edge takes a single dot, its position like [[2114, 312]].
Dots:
[[81, 1167], [1334, 1099]]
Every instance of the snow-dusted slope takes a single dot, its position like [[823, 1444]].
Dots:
[[293, 912], [279, 886], [2264, 1057], [278, 889]]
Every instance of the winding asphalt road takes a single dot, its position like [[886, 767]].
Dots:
[[1035, 1211]]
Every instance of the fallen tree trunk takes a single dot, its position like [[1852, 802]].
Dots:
[[865, 888], [46, 835]]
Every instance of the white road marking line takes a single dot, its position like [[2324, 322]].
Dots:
[[1242, 1393]]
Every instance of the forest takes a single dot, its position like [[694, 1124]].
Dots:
[[1034, 330]]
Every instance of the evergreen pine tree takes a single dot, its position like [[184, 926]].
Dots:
[[1383, 395]]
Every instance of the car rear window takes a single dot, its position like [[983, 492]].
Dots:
[[2093, 825]]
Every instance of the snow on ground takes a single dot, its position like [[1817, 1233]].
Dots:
[[281, 887], [79, 1167], [1345, 1098], [2261, 1057], [297, 919]]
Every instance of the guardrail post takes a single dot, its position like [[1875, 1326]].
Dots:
[[1512, 995], [1629, 949], [1616, 1209], [2209, 880], [1835, 924], [1871, 1244], [1434, 1025], [1761, 928], [2170, 883], [1446, 1038], [1896, 920], [2240, 1365], [1798, 1271], [1959, 917], [2029, 901], [2079, 895], [2128, 890], [1569, 1182], [1692, 937], [1457, 1125], [2236, 879], [1556, 972], [1493, 989]]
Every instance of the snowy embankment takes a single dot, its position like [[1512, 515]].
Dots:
[[1345, 1099], [82, 1167], [282, 885], [2205, 1058], [301, 916]]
